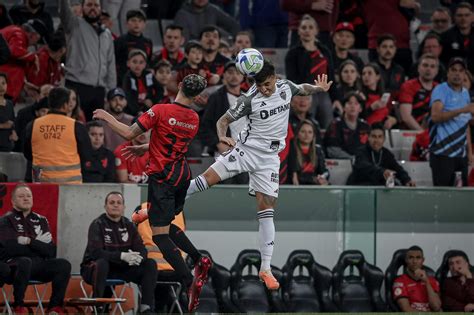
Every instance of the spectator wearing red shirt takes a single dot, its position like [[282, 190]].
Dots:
[[415, 94], [392, 73], [19, 39], [130, 170], [324, 11], [173, 39], [385, 17], [213, 61], [458, 290], [415, 291], [378, 104]]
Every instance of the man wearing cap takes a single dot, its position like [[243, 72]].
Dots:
[[117, 101], [19, 38], [90, 57], [450, 138], [343, 39]]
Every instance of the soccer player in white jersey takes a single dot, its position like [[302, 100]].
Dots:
[[267, 107]]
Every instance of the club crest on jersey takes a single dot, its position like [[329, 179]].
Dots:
[[150, 112], [172, 121], [232, 158], [283, 95]]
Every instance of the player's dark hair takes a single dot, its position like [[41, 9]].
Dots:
[[193, 85], [94, 124], [458, 253], [384, 37], [58, 96], [415, 248], [114, 193], [377, 126], [209, 28], [267, 71]]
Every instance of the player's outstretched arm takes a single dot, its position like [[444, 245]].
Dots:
[[222, 126], [128, 132], [321, 84]]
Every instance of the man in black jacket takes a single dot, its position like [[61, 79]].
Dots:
[[374, 164], [30, 251], [101, 169], [115, 250], [4, 51], [31, 9]]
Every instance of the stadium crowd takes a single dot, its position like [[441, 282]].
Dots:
[[100, 54]]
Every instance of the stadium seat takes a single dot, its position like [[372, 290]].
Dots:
[[112, 284], [400, 142], [443, 271], [392, 272], [13, 164], [357, 292], [215, 293], [420, 172], [168, 279], [152, 31], [247, 291], [306, 284], [339, 171]]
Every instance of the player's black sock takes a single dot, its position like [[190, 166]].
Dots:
[[182, 241], [173, 256]]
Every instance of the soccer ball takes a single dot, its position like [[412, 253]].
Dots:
[[249, 61]]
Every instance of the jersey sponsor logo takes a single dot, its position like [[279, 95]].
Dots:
[[264, 114], [143, 178], [185, 125]]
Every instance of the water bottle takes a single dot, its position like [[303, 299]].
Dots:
[[390, 183], [458, 179]]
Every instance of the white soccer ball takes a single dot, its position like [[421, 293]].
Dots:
[[249, 61]]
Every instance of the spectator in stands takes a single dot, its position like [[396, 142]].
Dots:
[[393, 74], [5, 19], [348, 133], [101, 169], [31, 253], [75, 110], [343, 39], [351, 11], [266, 21], [378, 104], [30, 113], [118, 12], [8, 134], [213, 61], [431, 44], [76, 8], [458, 41], [115, 250], [140, 85], [117, 103], [415, 291], [90, 60], [303, 64], [194, 65], [440, 20], [242, 40], [458, 290], [374, 164], [449, 127], [325, 12], [173, 39], [133, 39], [29, 10], [301, 111], [415, 94], [219, 102], [163, 75], [196, 14], [50, 57], [306, 163], [349, 81], [106, 20], [376, 16], [128, 169], [225, 49], [19, 39], [56, 144]]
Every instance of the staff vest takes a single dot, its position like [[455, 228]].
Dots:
[[154, 252], [54, 148]]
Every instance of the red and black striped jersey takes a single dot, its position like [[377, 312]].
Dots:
[[173, 127], [412, 92]]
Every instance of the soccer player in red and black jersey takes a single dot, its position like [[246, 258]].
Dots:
[[173, 128], [415, 94]]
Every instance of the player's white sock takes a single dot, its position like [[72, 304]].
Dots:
[[266, 237], [197, 185]]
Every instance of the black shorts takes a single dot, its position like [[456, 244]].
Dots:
[[166, 201]]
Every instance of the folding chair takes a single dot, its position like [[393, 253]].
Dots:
[[110, 283], [7, 306], [40, 298], [175, 288]]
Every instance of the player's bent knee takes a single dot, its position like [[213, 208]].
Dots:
[[265, 201], [156, 230], [212, 175]]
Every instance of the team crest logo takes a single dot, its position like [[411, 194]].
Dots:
[[283, 95], [125, 236], [232, 158], [172, 121]]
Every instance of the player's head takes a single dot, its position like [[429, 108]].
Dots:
[[414, 258], [266, 79], [192, 85]]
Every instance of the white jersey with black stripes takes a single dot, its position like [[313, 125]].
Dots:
[[267, 116]]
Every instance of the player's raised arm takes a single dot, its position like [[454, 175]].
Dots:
[[128, 132], [222, 126], [321, 84]]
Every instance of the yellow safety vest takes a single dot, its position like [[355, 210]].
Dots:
[[54, 149], [154, 252]]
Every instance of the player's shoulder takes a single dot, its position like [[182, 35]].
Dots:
[[401, 280]]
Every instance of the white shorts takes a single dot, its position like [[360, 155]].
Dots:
[[263, 168]]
